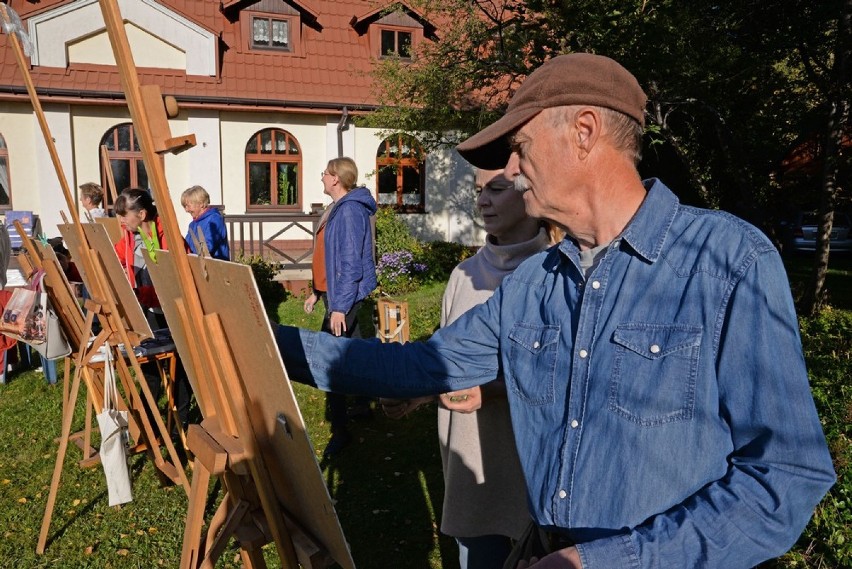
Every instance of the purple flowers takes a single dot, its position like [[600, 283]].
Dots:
[[397, 271]]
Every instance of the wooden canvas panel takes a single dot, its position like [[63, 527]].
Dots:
[[72, 241], [164, 276], [229, 290], [128, 305], [113, 227], [62, 297]]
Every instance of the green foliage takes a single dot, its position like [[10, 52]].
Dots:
[[392, 234], [441, 257], [271, 292], [398, 273], [403, 263], [732, 85], [827, 342]]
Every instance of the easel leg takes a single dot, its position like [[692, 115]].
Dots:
[[66, 385], [87, 431], [195, 516], [67, 416]]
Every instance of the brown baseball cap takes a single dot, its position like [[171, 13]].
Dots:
[[573, 79]]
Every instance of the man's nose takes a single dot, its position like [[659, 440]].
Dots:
[[513, 167]]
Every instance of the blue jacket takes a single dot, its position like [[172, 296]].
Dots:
[[350, 268], [211, 224], [660, 406]]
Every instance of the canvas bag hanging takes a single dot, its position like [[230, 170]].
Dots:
[[23, 315], [41, 328], [113, 426], [55, 345]]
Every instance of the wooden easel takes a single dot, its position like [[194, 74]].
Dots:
[[113, 329], [393, 325], [119, 327], [252, 436]]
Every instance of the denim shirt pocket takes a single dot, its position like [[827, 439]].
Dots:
[[531, 359], [654, 372]]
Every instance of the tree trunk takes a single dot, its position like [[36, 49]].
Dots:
[[837, 119]]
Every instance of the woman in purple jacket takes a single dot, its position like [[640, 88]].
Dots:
[[344, 272]]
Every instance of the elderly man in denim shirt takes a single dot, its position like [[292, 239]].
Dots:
[[652, 359]]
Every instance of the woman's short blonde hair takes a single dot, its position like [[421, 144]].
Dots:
[[93, 191], [195, 195], [345, 170]]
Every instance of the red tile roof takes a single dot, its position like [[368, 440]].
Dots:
[[333, 69]]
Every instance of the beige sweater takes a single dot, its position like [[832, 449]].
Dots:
[[484, 488]]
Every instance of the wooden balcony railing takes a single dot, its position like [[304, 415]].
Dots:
[[282, 238]]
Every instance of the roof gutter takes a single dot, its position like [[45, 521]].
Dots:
[[188, 101], [342, 125]]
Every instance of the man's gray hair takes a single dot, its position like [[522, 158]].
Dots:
[[624, 131]]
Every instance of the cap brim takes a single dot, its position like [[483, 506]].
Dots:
[[489, 148]]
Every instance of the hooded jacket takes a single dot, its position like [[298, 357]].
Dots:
[[349, 263]]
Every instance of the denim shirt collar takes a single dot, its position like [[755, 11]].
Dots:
[[646, 233]]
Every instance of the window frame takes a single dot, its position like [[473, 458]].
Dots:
[[294, 32], [417, 161], [133, 156], [376, 38], [273, 159], [4, 156]]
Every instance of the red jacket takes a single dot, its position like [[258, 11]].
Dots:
[[138, 276]]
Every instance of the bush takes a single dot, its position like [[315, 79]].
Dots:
[[271, 291], [441, 257], [398, 272], [392, 234], [827, 343]]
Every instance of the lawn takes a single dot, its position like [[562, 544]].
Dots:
[[387, 485]]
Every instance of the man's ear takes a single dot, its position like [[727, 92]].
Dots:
[[587, 124]]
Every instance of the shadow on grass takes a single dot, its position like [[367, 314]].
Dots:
[[838, 281]]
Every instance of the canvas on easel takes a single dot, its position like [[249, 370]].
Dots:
[[228, 290]]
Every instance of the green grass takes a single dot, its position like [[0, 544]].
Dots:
[[387, 485]]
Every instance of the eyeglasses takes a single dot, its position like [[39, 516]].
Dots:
[[324, 174]]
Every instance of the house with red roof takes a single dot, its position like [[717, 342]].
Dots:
[[269, 88]]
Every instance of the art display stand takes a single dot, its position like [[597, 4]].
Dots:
[[252, 436], [119, 324], [148, 437]]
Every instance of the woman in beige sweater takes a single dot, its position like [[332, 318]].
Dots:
[[485, 496]]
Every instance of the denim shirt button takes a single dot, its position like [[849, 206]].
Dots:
[[575, 423], [562, 494], [584, 353], [596, 285], [655, 349], [536, 345]]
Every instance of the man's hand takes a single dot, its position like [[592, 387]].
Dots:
[[399, 408], [310, 302], [463, 401], [567, 558], [337, 322]]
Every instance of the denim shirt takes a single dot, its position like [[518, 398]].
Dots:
[[661, 407]]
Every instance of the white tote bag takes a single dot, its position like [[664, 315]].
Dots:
[[113, 426]]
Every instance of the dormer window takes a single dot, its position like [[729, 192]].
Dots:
[[270, 33], [273, 26], [395, 33], [395, 43]]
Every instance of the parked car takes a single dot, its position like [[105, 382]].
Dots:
[[801, 232]]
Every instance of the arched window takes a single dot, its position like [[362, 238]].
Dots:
[[5, 187], [400, 163], [273, 171], [125, 160]]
